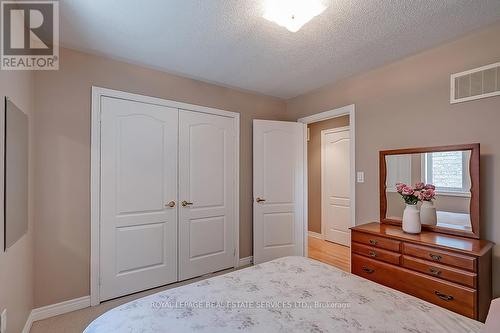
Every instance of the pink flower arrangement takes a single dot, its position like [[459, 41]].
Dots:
[[399, 187], [419, 186], [407, 190], [421, 192], [427, 194]]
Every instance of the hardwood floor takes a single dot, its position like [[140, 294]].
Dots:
[[330, 253]]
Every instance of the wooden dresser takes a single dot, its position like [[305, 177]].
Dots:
[[450, 271]]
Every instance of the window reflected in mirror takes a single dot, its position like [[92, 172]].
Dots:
[[448, 172]]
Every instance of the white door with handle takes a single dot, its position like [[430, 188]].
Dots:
[[278, 187], [138, 243], [336, 185], [207, 174]]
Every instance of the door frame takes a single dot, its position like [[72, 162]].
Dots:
[[348, 110], [323, 161], [95, 171]]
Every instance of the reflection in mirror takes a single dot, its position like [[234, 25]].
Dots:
[[447, 171]]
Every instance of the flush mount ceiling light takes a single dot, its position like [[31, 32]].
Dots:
[[292, 14]]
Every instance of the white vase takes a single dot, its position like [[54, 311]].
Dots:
[[411, 220], [428, 213]]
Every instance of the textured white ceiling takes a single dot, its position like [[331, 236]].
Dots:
[[229, 43]]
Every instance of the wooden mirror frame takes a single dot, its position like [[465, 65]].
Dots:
[[474, 174]]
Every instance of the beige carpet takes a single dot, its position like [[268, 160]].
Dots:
[[77, 321]]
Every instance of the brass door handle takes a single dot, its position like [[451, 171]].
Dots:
[[184, 203], [260, 199], [444, 297], [373, 242], [171, 204], [372, 254]]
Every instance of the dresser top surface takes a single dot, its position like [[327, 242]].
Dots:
[[476, 247]]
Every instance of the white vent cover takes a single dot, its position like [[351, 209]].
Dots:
[[477, 83]]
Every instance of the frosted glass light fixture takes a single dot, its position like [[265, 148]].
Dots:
[[292, 14]]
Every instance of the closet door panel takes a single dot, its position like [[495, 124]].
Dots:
[[206, 184], [138, 246]]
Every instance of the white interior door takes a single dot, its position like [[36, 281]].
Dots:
[[207, 148], [335, 181], [138, 244], [278, 186]]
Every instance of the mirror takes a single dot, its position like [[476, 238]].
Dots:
[[16, 174], [442, 178]]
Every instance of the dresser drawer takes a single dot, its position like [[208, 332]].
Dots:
[[440, 256], [381, 242], [376, 253], [441, 271], [445, 294]]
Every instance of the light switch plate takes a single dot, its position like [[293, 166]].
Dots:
[[3, 321], [360, 177]]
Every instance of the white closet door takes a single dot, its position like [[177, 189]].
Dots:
[[278, 171], [138, 245], [336, 185], [206, 183]]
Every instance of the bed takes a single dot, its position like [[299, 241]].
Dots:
[[454, 220], [291, 294]]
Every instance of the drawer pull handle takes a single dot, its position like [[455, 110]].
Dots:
[[435, 257], [434, 271], [373, 242], [444, 297], [368, 270], [372, 254]]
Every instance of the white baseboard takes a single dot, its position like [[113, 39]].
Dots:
[[76, 304], [27, 326], [246, 261], [315, 235], [55, 310]]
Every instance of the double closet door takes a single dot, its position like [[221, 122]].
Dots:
[[167, 195]]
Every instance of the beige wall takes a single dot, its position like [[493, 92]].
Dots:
[[16, 264], [62, 99], [314, 168], [406, 104]]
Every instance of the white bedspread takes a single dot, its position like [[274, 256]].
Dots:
[[291, 294]]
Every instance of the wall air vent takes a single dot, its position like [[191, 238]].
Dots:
[[476, 83]]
